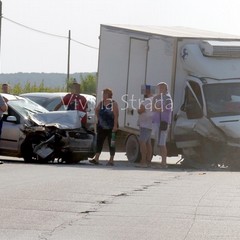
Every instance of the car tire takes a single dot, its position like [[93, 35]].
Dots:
[[27, 151], [27, 148]]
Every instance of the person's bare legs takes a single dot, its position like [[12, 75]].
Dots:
[[97, 157], [163, 154], [95, 160], [143, 150], [111, 159], [149, 152]]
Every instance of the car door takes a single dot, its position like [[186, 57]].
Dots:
[[11, 136]]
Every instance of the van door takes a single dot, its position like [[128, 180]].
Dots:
[[190, 112], [136, 77]]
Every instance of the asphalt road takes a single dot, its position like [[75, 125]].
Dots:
[[82, 201]]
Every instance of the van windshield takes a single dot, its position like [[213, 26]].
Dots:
[[222, 99]]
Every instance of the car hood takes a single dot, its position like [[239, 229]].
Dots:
[[59, 119]]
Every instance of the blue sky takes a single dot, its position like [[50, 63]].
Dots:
[[25, 50]]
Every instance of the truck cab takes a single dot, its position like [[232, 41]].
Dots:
[[207, 126]]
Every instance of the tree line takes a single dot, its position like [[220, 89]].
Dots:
[[88, 86]]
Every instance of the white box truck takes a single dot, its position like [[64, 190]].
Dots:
[[202, 70]]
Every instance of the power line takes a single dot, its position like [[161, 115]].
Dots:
[[33, 29], [46, 33], [83, 44]]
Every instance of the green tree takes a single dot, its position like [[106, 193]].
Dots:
[[27, 87], [17, 89], [69, 83], [89, 84]]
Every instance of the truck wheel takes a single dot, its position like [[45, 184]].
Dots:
[[133, 148]]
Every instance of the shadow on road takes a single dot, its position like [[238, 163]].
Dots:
[[124, 165]]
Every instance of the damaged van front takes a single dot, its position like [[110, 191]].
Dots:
[[207, 127]]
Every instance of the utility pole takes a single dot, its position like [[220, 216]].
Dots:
[[68, 62], [0, 24]]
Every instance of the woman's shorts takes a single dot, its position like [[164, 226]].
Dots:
[[145, 134], [162, 139], [160, 136]]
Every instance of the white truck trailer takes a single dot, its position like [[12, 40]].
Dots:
[[202, 70]]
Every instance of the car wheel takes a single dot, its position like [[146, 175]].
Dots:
[[27, 148], [27, 151]]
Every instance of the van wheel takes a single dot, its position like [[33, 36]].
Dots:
[[133, 148]]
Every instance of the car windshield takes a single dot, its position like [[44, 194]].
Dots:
[[222, 99], [25, 107], [38, 99]]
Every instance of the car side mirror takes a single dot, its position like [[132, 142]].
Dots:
[[11, 119]]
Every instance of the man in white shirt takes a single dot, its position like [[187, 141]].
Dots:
[[145, 127], [162, 116]]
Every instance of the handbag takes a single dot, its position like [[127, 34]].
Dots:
[[163, 125]]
